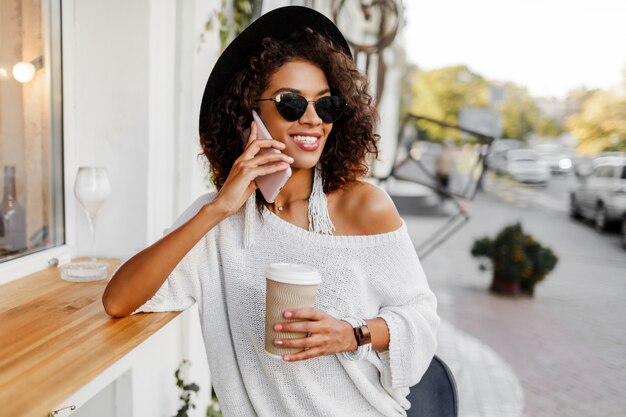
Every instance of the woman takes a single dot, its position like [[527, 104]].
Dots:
[[285, 65]]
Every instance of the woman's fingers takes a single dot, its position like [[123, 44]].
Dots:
[[301, 342], [255, 147], [268, 169], [327, 335], [305, 354], [261, 165], [308, 313], [266, 158], [297, 327]]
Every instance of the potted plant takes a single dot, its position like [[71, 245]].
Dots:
[[518, 261]]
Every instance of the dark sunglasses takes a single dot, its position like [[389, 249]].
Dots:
[[292, 106]]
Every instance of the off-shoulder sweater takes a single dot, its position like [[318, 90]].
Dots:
[[363, 276]]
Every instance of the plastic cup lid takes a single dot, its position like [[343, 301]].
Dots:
[[293, 274]]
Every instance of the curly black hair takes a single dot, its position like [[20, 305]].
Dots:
[[352, 139]]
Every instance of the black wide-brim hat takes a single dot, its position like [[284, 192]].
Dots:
[[279, 24]]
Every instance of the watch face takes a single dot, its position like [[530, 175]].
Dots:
[[363, 335]]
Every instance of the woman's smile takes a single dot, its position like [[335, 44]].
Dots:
[[307, 141]]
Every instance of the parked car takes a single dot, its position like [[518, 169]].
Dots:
[[601, 194], [523, 165], [496, 159], [556, 157]]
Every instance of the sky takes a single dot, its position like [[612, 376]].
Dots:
[[549, 46]]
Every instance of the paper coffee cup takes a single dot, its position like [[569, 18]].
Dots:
[[288, 286]]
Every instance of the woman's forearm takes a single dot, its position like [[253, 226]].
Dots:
[[141, 276], [380, 334]]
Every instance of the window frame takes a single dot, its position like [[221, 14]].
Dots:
[[51, 18]]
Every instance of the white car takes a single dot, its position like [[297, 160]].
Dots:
[[558, 163], [496, 159], [523, 165], [601, 194], [558, 159]]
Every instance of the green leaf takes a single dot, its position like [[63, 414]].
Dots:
[[191, 387]]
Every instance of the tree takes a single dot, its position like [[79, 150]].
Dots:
[[520, 113], [441, 94], [548, 127], [600, 124]]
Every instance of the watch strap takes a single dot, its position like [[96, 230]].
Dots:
[[362, 335], [363, 338]]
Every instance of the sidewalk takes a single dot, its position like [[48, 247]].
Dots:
[[487, 385], [559, 354]]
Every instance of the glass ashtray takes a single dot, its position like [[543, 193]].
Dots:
[[83, 271]]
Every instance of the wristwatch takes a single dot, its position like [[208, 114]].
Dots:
[[362, 335], [363, 339]]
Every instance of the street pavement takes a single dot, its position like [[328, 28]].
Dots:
[[561, 353]]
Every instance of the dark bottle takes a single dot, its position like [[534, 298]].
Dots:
[[13, 215], [1, 228]]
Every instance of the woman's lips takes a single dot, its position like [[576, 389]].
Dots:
[[306, 142]]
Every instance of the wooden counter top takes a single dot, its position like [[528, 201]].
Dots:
[[55, 337]]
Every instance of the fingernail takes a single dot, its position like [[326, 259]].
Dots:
[[288, 314], [290, 158], [286, 358], [278, 327], [278, 342]]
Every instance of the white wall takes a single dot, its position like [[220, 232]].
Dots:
[[106, 85], [134, 74], [197, 51]]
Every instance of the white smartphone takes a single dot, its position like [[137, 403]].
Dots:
[[270, 184]]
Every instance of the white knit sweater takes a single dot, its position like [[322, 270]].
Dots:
[[364, 276]]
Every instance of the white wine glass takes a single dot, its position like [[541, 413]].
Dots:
[[91, 189]]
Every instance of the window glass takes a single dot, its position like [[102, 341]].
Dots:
[[603, 171], [598, 172], [31, 199]]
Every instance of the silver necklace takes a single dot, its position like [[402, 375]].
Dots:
[[319, 219]]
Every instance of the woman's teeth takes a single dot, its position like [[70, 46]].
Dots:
[[305, 139]]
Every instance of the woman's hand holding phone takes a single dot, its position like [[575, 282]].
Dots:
[[252, 164]]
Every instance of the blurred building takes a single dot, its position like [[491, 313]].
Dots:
[[553, 108]]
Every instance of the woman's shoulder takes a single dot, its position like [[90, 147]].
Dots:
[[366, 209]]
